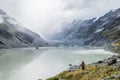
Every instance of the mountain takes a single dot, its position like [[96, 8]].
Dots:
[[13, 34], [93, 32]]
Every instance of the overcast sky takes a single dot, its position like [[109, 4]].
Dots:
[[45, 16]]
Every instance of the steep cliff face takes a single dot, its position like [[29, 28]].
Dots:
[[13, 34], [94, 32]]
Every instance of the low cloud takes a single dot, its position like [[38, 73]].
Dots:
[[45, 16]]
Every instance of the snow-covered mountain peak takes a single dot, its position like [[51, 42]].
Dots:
[[11, 22], [2, 12], [14, 34]]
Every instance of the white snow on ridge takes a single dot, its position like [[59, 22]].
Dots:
[[95, 19], [1, 20], [118, 15], [12, 21], [113, 10], [99, 30]]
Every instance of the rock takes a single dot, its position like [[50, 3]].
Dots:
[[113, 61], [73, 67], [115, 77], [118, 77], [100, 62]]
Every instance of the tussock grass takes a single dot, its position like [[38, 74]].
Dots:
[[92, 72], [116, 46]]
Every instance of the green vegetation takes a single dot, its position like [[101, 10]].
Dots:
[[92, 72], [116, 46]]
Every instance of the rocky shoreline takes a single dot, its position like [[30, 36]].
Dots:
[[112, 62], [107, 69]]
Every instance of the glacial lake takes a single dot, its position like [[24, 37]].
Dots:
[[42, 63]]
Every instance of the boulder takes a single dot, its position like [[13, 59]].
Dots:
[[113, 61]]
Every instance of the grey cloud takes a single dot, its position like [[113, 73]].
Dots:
[[90, 8], [10, 6], [83, 4], [71, 4], [47, 21]]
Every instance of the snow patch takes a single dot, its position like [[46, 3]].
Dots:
[[118, 15], [12, 21], [113, 10], [1, 20], [99, 30], [95, 19]]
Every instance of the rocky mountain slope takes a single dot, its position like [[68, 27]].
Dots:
[[13, 34], [93, 32]]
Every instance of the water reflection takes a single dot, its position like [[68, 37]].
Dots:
[[13, 59]]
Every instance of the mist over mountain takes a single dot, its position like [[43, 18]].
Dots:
[[102, 31], [92, 32], [14, 34]]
